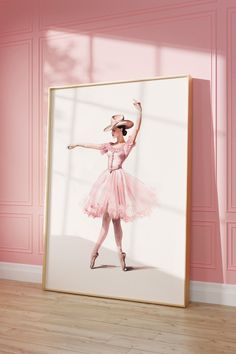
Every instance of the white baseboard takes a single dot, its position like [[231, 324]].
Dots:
[[212, 293], [22, 272]]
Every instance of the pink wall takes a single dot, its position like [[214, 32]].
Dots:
[[61, 42]]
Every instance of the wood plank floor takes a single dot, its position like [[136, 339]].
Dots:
[[34, 321]]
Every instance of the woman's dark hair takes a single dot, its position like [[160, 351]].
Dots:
[[123, 127]]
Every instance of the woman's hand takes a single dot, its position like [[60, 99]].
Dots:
[[71, 146], [137, 105]]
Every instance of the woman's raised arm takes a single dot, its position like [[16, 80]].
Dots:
[[139, 120]]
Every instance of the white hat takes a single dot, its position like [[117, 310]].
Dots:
[[118, 120]]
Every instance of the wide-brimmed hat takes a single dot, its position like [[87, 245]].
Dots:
[[117, 120]]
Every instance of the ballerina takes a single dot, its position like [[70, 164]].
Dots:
[[116, 194]]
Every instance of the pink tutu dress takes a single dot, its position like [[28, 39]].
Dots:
[[117, 192]]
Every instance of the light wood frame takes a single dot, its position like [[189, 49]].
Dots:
[[48, 187]]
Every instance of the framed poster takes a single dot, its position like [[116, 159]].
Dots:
[[118, 190]]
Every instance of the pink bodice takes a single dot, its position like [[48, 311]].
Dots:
[[117, 155]]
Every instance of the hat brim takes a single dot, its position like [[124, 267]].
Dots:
[[127, 123]]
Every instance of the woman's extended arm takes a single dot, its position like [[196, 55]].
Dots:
[[139, 120], [86, 145]]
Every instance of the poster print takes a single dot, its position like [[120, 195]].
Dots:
[[117, 196]]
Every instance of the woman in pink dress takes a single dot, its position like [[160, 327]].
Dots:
[[116, 194]]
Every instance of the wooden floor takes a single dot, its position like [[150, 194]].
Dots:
[[34, 321]]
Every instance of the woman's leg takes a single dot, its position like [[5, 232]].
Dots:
[[118, 237], [103, 232], [118, 233]]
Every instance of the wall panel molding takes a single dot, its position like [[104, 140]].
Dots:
[[28, 201], [18, 225], [208, 244], [40, 235], [231, 246], [230, 42]]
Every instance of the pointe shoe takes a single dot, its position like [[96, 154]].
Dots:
[[93, 259], [122, 256]]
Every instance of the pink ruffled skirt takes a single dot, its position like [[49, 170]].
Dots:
[[121, 195]]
